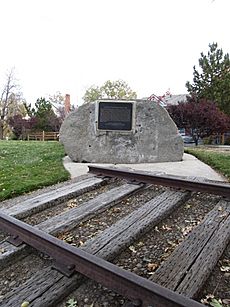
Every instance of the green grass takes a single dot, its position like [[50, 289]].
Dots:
[[27, 166], [220, 161]]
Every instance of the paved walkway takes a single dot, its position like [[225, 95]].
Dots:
[[189, 166]]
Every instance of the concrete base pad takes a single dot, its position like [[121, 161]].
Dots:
[[189, 166]]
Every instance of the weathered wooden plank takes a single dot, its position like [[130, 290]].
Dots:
[[70, 219], [124, 232], [198, 253], [32, 291], [49, 199], [114, 240], [205, 263]]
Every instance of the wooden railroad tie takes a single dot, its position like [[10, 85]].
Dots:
[[188, 267]]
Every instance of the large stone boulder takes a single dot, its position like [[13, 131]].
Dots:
[[152, 136]]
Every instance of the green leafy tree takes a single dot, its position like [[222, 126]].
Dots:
[[46, 119], [92, 93], [212, 82], [110, 90]]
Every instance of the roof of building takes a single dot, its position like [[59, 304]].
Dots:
[[175, 99], [167, 100]]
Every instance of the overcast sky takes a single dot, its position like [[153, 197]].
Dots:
[[69, 45]]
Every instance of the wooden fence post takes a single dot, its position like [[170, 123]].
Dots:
[[223, 139]]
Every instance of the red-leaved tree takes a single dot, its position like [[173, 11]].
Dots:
[[20, 125], [202, 118]]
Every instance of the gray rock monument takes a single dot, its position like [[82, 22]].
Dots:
[[118, 131]]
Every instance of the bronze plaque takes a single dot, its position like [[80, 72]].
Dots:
[[115, 115]]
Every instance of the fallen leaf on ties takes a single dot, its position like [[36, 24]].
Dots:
[[166, 227], [226, 301], [186, 230], [69, 239], [71, 205], [207, 298], [132, 249], [225, 268], [152, 266], [115, 210], [171, 243], [224, 214]]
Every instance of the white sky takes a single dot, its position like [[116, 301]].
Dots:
[[69, 45]]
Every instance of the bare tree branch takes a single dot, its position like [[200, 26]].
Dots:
[[9, 97]]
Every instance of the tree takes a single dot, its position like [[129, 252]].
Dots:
[[213, 81], [20, 125], [92, 94], [17, 124], [57, 101], [110, 90], [46, 119], [10, 101], [201, 118]]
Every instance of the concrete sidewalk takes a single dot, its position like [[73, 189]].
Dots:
[[189, 166]]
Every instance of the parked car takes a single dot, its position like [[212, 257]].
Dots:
[[188, 139]]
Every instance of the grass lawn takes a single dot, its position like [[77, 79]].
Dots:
[[220, 161], [27, 166]]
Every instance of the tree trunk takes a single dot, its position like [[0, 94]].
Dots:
[[1, 129]]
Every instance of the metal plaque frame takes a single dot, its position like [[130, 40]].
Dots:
[[115, 115]]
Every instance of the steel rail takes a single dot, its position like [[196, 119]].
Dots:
[[140, 291], [222, 189]]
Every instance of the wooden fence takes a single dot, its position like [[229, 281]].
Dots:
[[43, 136]]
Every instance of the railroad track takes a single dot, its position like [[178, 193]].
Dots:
[[165, 238]]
